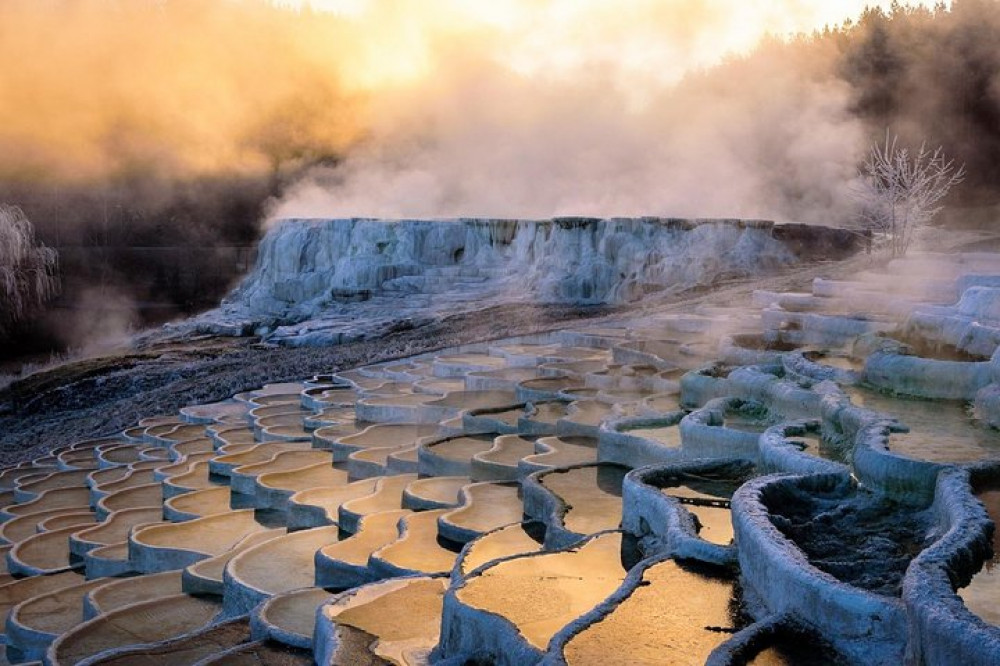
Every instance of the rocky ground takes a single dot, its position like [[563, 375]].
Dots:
[[96, 396]]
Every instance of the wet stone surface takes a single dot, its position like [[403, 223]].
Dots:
[[860, 539]]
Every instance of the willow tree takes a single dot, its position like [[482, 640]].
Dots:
[[902, 191], [28, 269]]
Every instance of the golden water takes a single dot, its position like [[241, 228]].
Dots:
[[982, 595], [543, 593], [677, 617], [593, 496], [940, 431]]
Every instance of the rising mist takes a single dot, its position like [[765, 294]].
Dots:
[[177, 126]]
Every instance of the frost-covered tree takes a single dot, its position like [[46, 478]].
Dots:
[[900, 192], [28, 269]]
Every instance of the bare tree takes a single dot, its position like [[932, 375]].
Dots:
[[28, 269], [900, 192]]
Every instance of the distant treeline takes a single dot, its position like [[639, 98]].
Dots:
[[927, 75]]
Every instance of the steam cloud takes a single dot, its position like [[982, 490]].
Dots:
[[168, 123], [437, 108], [102, 319], [171, 127], [610, 112], [492, 144]]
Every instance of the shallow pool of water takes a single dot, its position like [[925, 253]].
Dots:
[[547, 413], [511, 540], [663, 403], [565, 451], [593, 496], [550, 384], [388, 435], [678, 616], [669, 436], [940, 430], [405, 618], [815, 445], [419, 549], [982, 595], [476, 399], [715, 523], [707, 498], [745, 423], [489, 506], [542, 593], [704, 488], [461, 448], [796, 651], [589, 412], [509, 417]]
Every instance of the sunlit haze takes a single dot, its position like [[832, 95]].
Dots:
[[658, 38], [438, 107]]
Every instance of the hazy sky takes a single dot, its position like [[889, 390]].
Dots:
[[437, 107], [554, 107], [749, 19], [657, 40], [822, 11]]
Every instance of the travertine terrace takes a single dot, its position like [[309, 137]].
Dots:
[[754, 484]]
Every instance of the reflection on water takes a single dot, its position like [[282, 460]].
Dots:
[[508, 417], [707, 498], [511, 540], [593, 496], [796, 650], [405, 618], [388, 435], [712, 488], [508, 450], [940, 430], [461, 448], [813, 444], [565, 451], [589, 412], [669, 436], [745, 423], [551, 384], [489, 506], [542, 593], [664, 403], [982, 596], [715, 523], [419, 549], [387, 497], [677, 616]]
